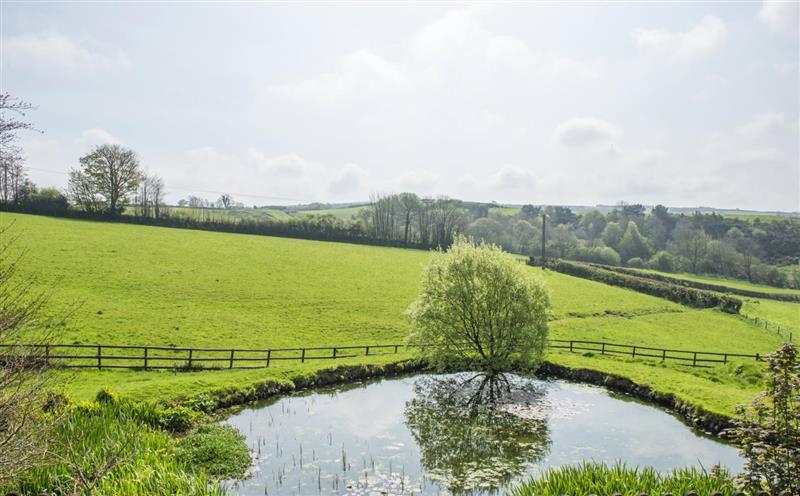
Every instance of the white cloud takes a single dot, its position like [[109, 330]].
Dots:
[[701, 40], [346, 180], [49, 51], [96, 136], [584, 131], [764, 124], [359, 74], [289, 165], [442, 55], [511, 177], [780, 16]]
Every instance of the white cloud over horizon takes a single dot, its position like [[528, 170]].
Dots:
[[701, 40]]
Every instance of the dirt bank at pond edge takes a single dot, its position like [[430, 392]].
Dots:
[[695, 416]]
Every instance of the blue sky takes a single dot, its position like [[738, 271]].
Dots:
[[681, 104]]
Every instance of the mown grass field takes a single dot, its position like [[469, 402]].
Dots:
[[128, 284]]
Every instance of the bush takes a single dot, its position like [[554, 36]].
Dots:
[[598, 254], [177, 418], [602, 480], [217, 450], [636, 262], [616, 276], [769, 430], [663, 261], [107, 395]]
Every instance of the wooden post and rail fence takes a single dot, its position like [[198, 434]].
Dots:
[[100, 356]]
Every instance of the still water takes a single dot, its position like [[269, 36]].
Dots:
[[459, 433]]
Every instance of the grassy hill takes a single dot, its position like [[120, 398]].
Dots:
[[129, 284]]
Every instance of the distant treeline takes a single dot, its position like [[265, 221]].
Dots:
[[629, 235]]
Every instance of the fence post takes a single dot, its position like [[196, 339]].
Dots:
[[269, 355], [334, 352], [366, 349], [694, 360], [145, 357], [570, 346], [231, 363], [725, 358], [603, 349], [758, 357], [663, 355], [395, 348], [633, 353], [190, 357], [47, 354], [303, 356], [99, 356]]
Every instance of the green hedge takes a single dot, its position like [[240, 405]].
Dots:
[[696, 298], [701, 285]]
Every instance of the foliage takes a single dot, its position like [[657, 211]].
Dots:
[[478, 303], [111, 449], [696, 282], [598, 254], [177, 418], [768, 431], [601, 480], [662, 260], [687, 296], [633, 244], [108, 175], [636, 262], [217, 450]]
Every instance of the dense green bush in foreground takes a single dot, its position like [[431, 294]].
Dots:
[[601, 480], [118, 447]]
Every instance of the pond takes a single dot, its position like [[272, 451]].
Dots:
[[460, 433]]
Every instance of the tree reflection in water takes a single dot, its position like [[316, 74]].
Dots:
[[467, 439]]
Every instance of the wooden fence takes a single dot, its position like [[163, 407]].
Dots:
[[102, 356]]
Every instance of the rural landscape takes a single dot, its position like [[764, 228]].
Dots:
[[213, 323]]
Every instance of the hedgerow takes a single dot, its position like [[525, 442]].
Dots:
[[680, 294]]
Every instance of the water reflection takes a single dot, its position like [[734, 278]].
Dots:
[[467, 437], [459, 433]]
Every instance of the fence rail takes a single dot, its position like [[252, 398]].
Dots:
[[102, 356]]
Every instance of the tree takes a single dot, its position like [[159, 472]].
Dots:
[[523, 237], [591, 225], [476, 303], [769, 430], [149, 199], [488, 230], [561, 241], [633, 244], [110, 173], [225, 200], [409, 203], [23, 383], [689, 242], [11, 110], [612, 234]]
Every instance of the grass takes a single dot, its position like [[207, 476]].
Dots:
[[344, 213], [129, 284], [96, 453], [601, 480], [216, 450], [724, 281]]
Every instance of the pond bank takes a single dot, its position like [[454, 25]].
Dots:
[[692, 415]]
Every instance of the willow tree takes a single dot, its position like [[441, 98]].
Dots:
[[480, 305]]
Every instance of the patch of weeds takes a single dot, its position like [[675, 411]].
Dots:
[[217, 450]]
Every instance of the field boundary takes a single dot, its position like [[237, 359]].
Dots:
[[719, 288], [144, 357]]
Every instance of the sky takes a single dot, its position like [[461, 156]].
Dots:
[[683, 104]]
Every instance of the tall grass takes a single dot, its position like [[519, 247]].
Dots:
[[113, 448], [599, 479]]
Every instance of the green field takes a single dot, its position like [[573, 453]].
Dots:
[[129, 284], [344, 213], [229, 214], [725, 281]]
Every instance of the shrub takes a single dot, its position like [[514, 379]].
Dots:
[[602, 480], [177, 418], [106, 395], [217, 450], [769, 430], [636, 262], [598, 254], [617, 276], [663, 261]]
